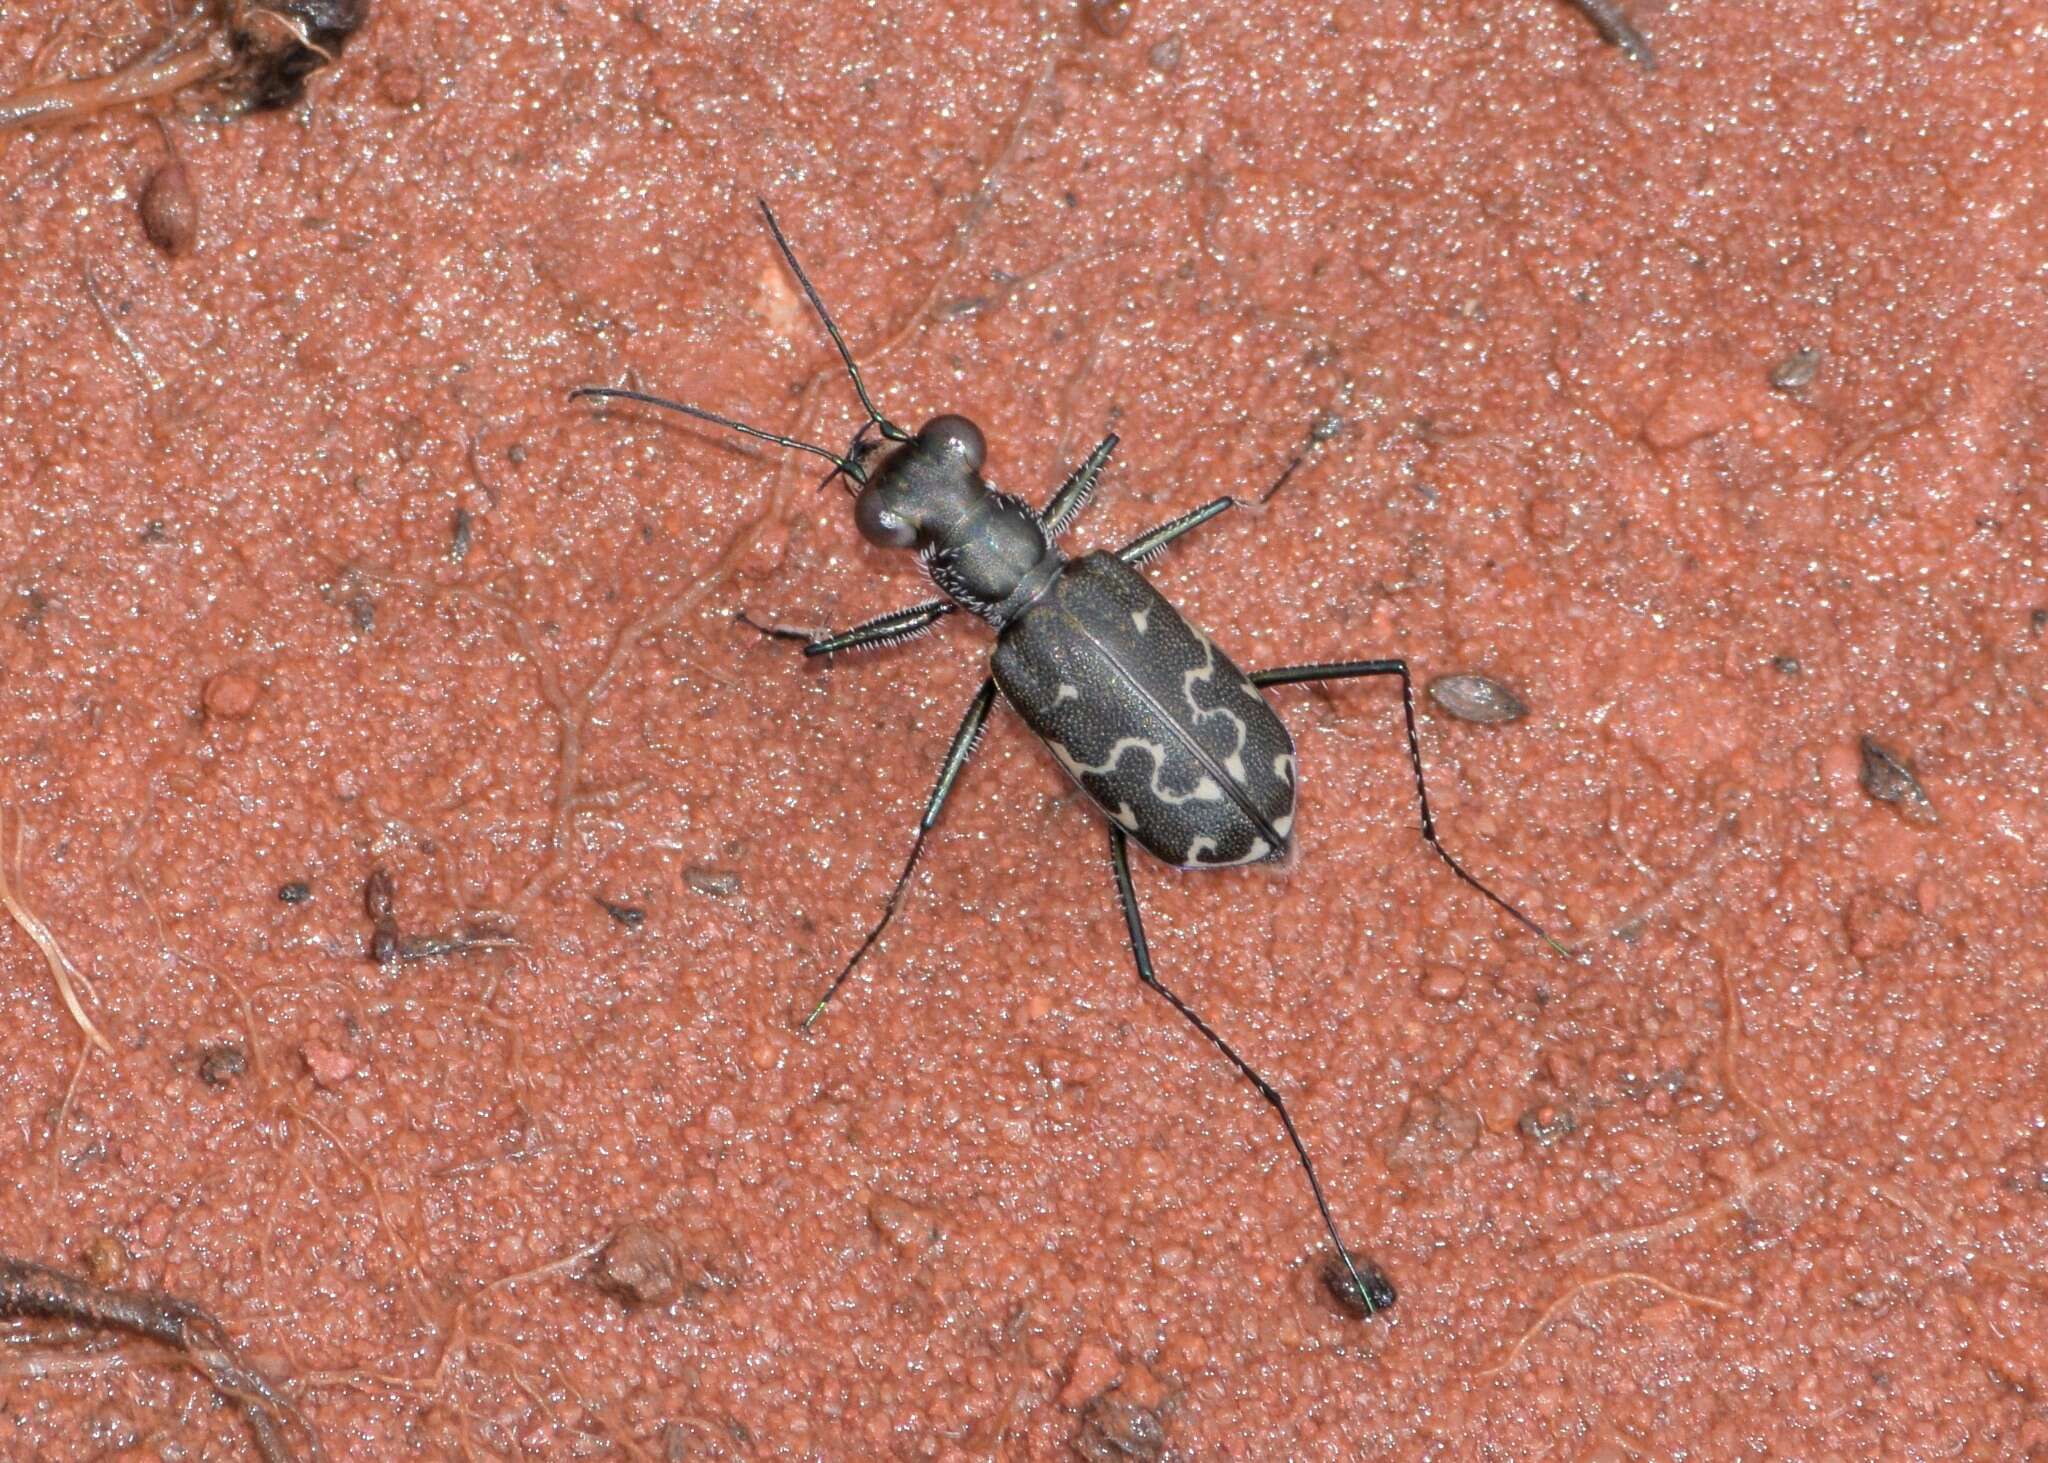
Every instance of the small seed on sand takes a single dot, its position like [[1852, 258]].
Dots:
[[1476, 698], [170, 210]]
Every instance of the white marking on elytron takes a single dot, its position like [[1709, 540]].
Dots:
[[1283, 767], [1260, 848], [1234, 762], [1139, 618], [1205, 791], [1126, 818], [1065, 693], [1284, 824], [1249, 689]]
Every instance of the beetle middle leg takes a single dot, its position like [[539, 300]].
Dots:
[[1369, 1284], [1154, 540], [964, 741], [1342, 670]]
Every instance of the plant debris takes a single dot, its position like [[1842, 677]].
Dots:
[[29, 1291], [68, 977], [1889, 778], [257, 55]]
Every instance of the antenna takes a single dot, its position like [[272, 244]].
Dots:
[[889, 429], [839, 464]]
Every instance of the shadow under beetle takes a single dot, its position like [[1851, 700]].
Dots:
[[1175, 745]]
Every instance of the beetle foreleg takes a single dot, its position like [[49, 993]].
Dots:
[[891, 629], [1371, 1285], [1287, 675], [1074, 493], [964, 741]]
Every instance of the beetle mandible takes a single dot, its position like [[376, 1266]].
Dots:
[[1176, 747]]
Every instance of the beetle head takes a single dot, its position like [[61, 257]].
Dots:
[[920, 482]]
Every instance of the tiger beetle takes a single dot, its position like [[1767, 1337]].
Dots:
[[1176, 747]]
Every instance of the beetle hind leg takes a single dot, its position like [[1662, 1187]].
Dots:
[[965, 739], [1368, 1285], [1343, 670]]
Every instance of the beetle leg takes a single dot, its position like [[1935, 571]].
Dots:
[[1074, 493], [1287, 675], [1371, 1286], [1146, 544], [964, 741], [891, 629]]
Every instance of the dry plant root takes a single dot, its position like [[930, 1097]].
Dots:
[[36, 1292], [1601, 1282], [257, 55], [68, 977]]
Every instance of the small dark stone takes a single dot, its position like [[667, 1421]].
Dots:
[[638, 1265], [1889, 778], [1796, 370], [221, 1064], [154, 532], [1378, 1294], [2040, 620], [296, 892], [1544, 1124], [715, 882], [362, 613], [1786, 663], [1115, 1428], [1476, 698], [384, 945], [625, 914], [458, 542], [1324, 426], [1166, 55], [1109, 18], [380, 896]]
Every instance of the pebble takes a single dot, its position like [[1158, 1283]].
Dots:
[[1092, 1371], [638, 1266], [330, 1068], [105, 1260], [231, 696]]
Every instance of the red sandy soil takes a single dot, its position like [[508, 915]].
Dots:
[[1764, 1173]]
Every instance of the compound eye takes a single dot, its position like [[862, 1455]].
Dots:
[[957, 436], [878, 525]]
